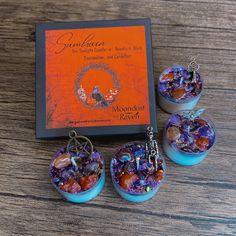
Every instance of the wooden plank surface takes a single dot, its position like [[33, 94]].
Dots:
[[199, 200]]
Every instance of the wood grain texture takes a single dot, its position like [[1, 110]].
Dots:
[[199, 200]]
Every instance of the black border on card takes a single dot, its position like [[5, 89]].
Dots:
[[41, 131]]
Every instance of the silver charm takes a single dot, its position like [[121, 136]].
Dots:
[[152, 148], [78, 144], [193, 67], [191, 115]]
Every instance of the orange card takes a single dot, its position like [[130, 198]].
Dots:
[[96, 77]]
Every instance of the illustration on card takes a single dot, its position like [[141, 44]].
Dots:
[[97, 85]]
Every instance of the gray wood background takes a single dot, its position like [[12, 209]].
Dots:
[[198, 200]]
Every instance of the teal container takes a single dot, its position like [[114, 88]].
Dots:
[[67, 171], [183, 157], [137, 197], [84, 196], [172, 105]]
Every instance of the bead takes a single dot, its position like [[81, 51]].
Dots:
[[148, 188], [173, 133], [62, 161], [87, 182], [127, 180], [70, 186]]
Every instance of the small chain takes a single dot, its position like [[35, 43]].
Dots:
[[150, 132]]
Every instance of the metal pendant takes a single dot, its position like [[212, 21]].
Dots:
[[193, 67], [77, 146], [151, 148]]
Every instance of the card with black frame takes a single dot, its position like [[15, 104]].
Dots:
[[95, 77]]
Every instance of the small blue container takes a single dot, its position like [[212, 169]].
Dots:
[[183, 157], [172, 105], [84, 196], [136, 197], [132, 196], [62, 170]]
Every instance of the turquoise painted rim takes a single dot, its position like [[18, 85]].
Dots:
[[85, 196], [181, 158], [137, 197]]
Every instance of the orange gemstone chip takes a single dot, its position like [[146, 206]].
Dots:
[[127, 180], [71, 186]]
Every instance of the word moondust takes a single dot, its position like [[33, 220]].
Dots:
[[128, 112]]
